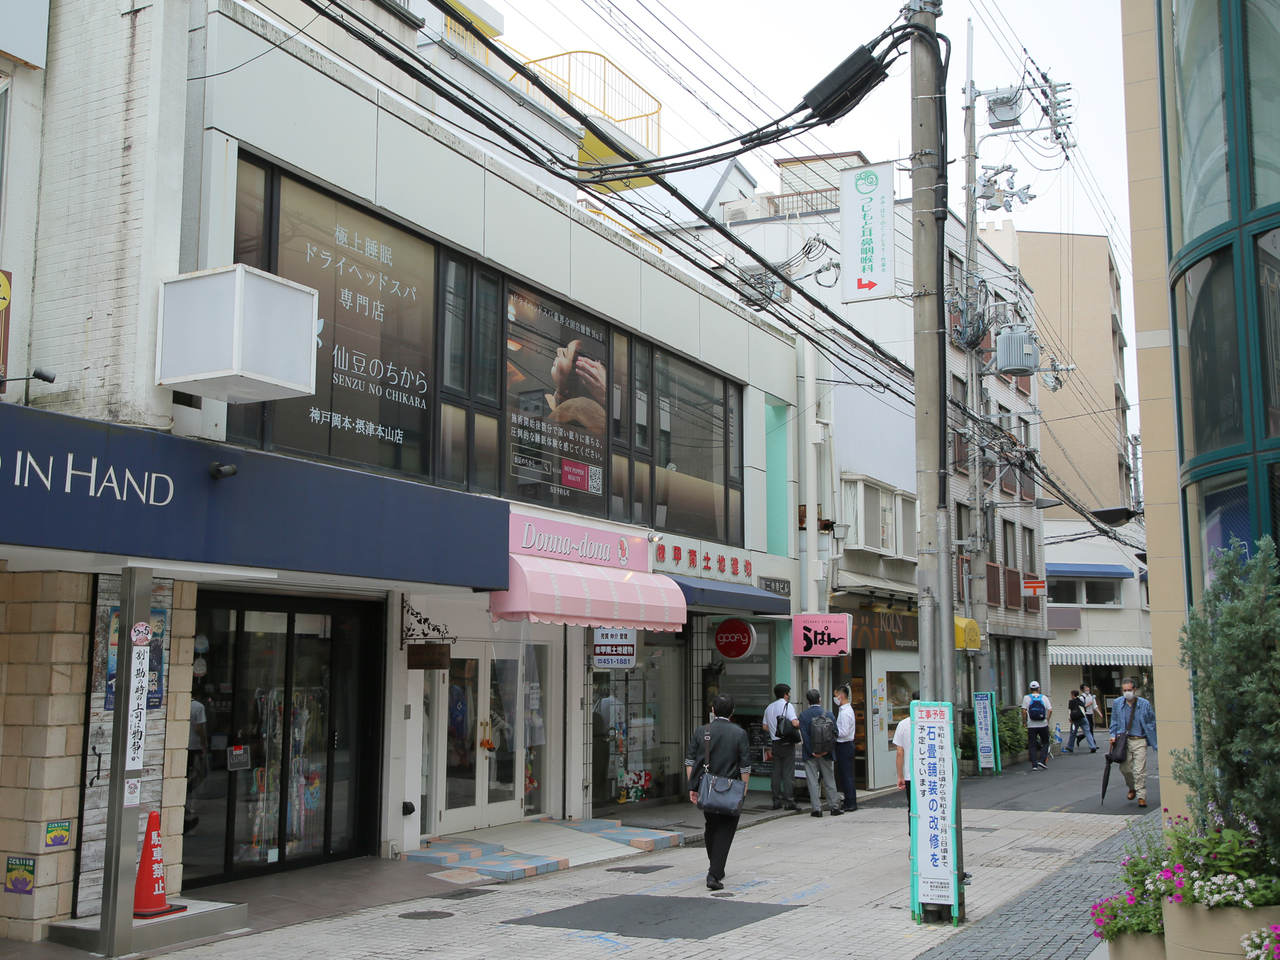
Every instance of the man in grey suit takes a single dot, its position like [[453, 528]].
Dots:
[[730, 757]]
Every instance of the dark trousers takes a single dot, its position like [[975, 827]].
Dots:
[[719, 838], [844, 774], [1038, 744], [784, 772]]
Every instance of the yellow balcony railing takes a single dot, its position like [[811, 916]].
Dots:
[[598, 87]]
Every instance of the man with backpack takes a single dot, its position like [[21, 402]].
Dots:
[[782, 727], [818, 730], [1036, 711]]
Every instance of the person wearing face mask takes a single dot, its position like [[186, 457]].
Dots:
[[846, 729], [1136, 717]]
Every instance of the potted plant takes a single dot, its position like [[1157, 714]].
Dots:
[[1131, 922], [1221, 878]]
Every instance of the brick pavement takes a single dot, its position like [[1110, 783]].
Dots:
[[1050, 921], [848, 876]]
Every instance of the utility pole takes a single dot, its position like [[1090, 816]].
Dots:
[[928, 226], [978, 554], [928, 211]]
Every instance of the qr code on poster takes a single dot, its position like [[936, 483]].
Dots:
[[595, 480]]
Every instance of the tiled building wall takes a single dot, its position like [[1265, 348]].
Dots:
[[46, 655]]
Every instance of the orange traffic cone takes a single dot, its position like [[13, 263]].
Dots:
[[148, 893]]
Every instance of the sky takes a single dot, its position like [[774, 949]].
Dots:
[[749, 62]]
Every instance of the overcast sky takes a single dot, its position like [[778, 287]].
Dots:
[[783, 49]]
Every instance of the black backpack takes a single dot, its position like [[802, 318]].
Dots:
[[1035, 711], [1077, 711], [822, 734]]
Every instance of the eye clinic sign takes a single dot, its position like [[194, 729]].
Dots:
[[539, 537]]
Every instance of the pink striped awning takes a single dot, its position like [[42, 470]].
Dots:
[[582, 595]]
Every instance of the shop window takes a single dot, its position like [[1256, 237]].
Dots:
[[900, 688], [1262, 39], [1102, 593], [620, 390], [1210, 360], [690, 457], [376, 359], [1201, 116], [556, 391]]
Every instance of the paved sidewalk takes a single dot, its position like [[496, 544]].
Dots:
[[792, 883]]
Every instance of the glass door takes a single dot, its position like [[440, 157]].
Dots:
[[289, 696], [490, 705]]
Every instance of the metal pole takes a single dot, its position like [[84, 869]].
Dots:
[[930, 370], [115, 935]]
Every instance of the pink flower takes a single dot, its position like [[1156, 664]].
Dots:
[[1166, 874], [1176, 898], [1131, 899], [1179, 868], [1179, 883]]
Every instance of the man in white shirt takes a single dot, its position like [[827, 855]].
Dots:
[[1036, 711], [846, 728], [782, 752], [1091, 708], [902, 743]]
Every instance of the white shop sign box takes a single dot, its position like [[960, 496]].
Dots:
[[237, 334]]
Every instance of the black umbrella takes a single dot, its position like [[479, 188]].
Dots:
[[1106, 775]]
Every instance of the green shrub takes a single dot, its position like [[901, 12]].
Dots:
[[1231, 644], [968, 741], [1013, 735]]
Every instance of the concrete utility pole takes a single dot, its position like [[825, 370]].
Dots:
[[928, 203], [928, 228], [979, 552]]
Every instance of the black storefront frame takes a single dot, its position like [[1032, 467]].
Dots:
[[732, 481], [368, 728]]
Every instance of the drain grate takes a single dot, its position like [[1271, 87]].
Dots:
[[460, 894], [722, 895], [426, 915], [646, 868]]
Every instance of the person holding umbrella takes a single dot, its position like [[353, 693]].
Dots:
[[1134, 720]]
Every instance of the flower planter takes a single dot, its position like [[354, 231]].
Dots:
[[1194, 932], [1137, 946]]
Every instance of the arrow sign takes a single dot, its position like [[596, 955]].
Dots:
[[865, 284]]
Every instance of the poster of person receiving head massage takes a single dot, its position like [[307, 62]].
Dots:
[[557, 381]]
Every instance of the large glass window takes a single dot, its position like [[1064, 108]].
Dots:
[[1219, 509], [1213, 413], [1268, 254], [1202, 132], [690, 457], [1262, 40], [556, 388]]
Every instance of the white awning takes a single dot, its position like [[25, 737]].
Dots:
[[864, 583], [1085, 656]]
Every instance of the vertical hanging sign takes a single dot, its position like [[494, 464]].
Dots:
[[140, 664], [868, 251], [933, 802], [984, 722]]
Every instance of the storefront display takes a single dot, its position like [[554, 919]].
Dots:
[[638, 727]]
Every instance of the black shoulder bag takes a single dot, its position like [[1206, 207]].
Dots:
[[721, 795], [785, 730], [1119, 751]]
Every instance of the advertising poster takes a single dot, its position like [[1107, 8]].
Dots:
[[557, 383], [933, 797], [375, 345], [57, 833], [155, 670], [984, 714], [20, 875]]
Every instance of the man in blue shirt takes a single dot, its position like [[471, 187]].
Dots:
[[1136, 715], [819, 748]]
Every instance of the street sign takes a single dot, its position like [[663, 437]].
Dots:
[[933, 807], [868, 247], [614, 648], [988, 732], [1034, 588]]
